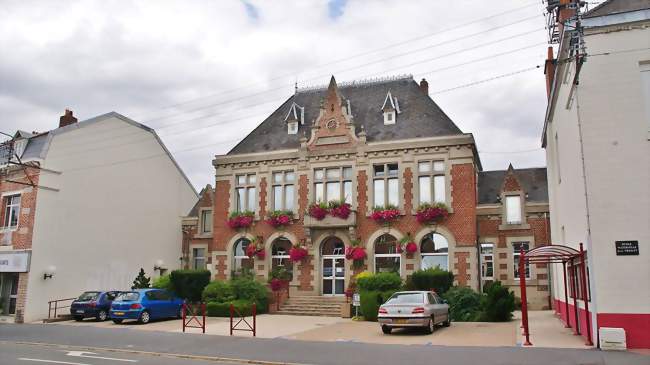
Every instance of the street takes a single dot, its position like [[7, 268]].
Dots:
[[21, 354], [174, 348]]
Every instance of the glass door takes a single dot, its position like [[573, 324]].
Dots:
[[8, 293], [333, 276]]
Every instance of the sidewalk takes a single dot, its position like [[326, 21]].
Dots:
[[546, 330]]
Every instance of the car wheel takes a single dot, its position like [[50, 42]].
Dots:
[[447, 323], [117, 321], [101, 316], [78, 318], [431, 326], [145, 317], [387, 330]]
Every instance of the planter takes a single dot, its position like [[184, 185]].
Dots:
[[385, 215], [280, 218], [240, 219], [432, 214], [297, 253]]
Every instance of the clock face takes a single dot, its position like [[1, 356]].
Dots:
[[331, 124]]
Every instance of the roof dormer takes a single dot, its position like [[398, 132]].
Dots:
[[295, 116], [390, 108]]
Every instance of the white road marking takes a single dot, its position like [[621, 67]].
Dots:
[[51, 361], [83, 354]]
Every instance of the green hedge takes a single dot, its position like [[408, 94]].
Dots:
[[370, 302], [189, 284], [432, 278], [464, 304], [215, 309], [218, 291], [241, 291], [385, 281], [497, 304], [163, 282]]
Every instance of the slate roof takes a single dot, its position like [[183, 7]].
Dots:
[[532, 180], [617, 6], [420, 116]]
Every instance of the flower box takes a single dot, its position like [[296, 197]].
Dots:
[[385, 215], [297, 253], [280, 218], [432, 214], [240, 219]]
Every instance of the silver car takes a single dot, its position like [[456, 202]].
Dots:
[[413, 309]]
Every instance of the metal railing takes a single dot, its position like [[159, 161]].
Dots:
[[56, 305]]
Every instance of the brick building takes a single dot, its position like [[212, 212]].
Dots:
[[370, 144]]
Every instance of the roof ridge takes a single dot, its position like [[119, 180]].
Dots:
[[354, 83]]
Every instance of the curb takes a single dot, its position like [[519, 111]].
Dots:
[[152, 353]]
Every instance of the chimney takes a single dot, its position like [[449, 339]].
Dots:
[[549, 70], [67, 119], [424, 86]]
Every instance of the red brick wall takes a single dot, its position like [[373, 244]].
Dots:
[[539, 228], [462, 222]]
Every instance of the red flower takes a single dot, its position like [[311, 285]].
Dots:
[[411, 247], [240, 220], [276, 284], [341, 211], [432, 213], [261, 254], [384, 215], [297, 253], [251, 250], [358, 253]]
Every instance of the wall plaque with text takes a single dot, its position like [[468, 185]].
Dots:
[[627, 248]]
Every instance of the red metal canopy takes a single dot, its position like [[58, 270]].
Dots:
[[551, 254]]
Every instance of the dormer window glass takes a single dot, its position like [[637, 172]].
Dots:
[[513, 209], [292, 127], [390, 109]]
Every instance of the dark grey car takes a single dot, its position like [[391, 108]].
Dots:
[[413, 309]]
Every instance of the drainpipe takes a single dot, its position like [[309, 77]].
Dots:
[[478, 258]]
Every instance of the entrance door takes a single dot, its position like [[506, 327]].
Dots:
[[333, 275], [8, 292]]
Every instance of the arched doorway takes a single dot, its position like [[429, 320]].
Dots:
[[387, 259], [333, 266], [242, 264], [434, 251]]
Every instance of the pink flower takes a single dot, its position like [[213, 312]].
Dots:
[[297, 253], [358, 253], [317, 212], [276, 284], [411, 247], [283, 220]]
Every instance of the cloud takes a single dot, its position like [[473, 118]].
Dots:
[[242, 58]]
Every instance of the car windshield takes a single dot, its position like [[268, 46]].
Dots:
[[128, 296], [403, 298], [89, 295]]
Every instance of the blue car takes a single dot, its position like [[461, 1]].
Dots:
[[92, 304], [144, 305]]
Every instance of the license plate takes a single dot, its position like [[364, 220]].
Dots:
[[118, 313], [79, 311], [400, 321]]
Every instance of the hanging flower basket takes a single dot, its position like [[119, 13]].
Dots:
[[407, 244], [240, 219], [339, 209], [255, 250], [317, 210], [431, 214], [277, 284], [385, 215], [280, 218], [356, 252], [297, 253], [411, 248]]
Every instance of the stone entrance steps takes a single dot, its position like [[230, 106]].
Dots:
[[312, 306]]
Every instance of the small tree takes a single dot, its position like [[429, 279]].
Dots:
[[141, 281]]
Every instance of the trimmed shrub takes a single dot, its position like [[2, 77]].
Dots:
[[162, 282], [218, 291], [189, 284], [253, 291], [371, 300], [216, 309], [497, 304], [432, 278], [464, 304], [385, 281]]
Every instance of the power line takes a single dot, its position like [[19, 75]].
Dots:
[[511, 152], [487, 80], [444, 30]]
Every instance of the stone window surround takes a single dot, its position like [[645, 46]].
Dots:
[[510, 261], [494, 242], [2, 200], [399, 160], [504, 219], [325, 180], [232, 179], [205, 256], [311, 194], [200, 233], [269, 186], [416, 181]]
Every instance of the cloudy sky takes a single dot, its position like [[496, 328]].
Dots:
[[205, 73]]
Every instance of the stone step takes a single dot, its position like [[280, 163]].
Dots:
[[295, 313], [306, 309], [302, 305]]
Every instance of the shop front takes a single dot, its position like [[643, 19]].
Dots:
[[12, 264]]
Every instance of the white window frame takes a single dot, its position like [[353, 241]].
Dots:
[[240, 257], [196, 259], [249, 184], [284, 258], [389, 117], [513, 198], [292, 127], [385, 178], [342, 180], [387, 255], [202, 214], [8, 208], [515, 259], [485, 260], [424, 254], [432, 173], [283, 183]]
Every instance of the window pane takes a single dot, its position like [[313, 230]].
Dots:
[[392, 169], [206, 220], [319, 192], [277, 177], [252, 179], [347, 192], [333, 191], [379, 193], [277, 197], [251, 199], [241, 179], [379, 170], [288, 197], [387, 264], [289, 176], [439, 188], [438, 166], [347, 172], [318, 174], [333, 173], [425, 189], [393, 192], [430, 261], [424, 166], [241, 202], [513, 209], [440, 242]]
